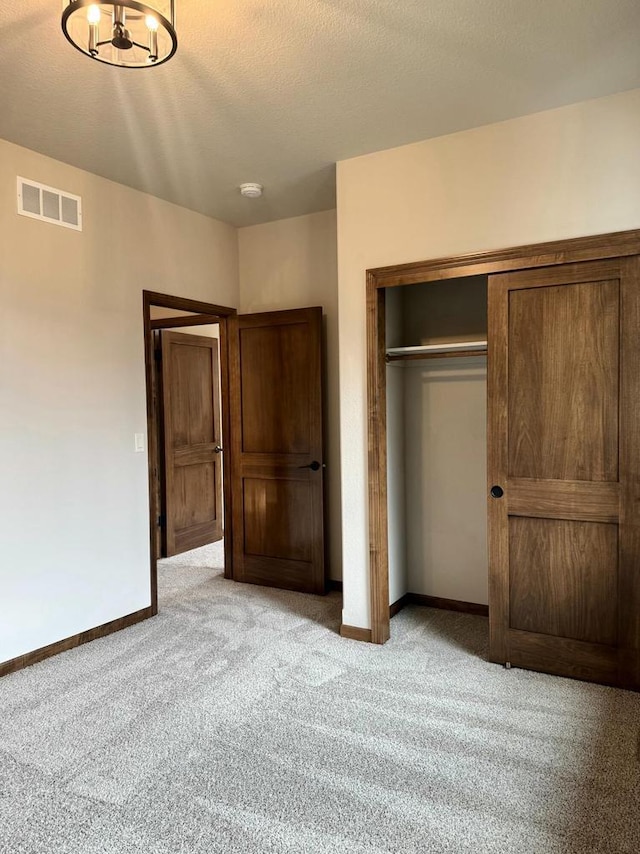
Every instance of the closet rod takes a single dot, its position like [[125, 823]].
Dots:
[[437, 351]]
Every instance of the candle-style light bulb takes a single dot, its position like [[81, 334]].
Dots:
[[93, 17], [152, 26]]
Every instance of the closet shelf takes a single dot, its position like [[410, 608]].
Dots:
[[437, 351]]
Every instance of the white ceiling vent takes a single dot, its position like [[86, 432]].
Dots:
[[48, 204]]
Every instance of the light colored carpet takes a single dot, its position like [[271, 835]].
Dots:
[[238, 721]]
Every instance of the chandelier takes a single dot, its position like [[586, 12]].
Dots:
[[128, 34]]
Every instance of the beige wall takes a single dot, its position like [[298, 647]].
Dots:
[[292, 263], [562, 173], [73, 494]]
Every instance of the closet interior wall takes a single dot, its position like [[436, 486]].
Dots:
[[437, 443]]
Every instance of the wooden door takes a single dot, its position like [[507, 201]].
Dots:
[[192, 441], [277, 478], [564, 467]]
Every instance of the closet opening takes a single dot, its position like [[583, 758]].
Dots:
[[436, 394]]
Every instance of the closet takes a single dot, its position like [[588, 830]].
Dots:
[[436, 336], [532, 506]]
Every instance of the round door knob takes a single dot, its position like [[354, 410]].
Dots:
[[314, 466], [497, 491]]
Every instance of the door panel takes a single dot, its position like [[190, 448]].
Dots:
[[276, 406], [563, 401], [564, 547], [564, 499], [194, 376], [195, 488], [192, 432], [278, 518], [271, 360], [563, 578]]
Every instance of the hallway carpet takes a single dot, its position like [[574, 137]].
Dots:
[[239, 721]]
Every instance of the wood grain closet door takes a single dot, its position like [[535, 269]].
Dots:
[[277, 481], [564, 449], [192, 441]]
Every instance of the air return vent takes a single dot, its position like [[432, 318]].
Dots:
[[48, 204]]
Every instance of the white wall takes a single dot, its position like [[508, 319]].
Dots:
[[73, 494], [446, 469], [563, 173], [292, 263]]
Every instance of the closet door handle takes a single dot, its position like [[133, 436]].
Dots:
[[497, 491], [217, 449], [314, 466]]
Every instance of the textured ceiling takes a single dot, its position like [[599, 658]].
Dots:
[[277, 91]]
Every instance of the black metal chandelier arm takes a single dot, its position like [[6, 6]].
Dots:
[[143, 46]]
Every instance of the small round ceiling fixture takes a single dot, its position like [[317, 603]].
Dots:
[[128, 34], [251, 190]]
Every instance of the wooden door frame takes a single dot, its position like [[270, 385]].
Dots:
[[592, 248], [205, 313]]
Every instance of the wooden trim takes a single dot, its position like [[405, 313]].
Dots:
[[102, 631], [355, 633], [218, 314], [334, 584], [447, 604], [152, 449], [234, 473], [183, 304], [377, 456], [592, 248], [184, 320], [399, 604], [227, 452]]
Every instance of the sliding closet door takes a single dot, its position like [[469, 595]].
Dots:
[[564, 469]]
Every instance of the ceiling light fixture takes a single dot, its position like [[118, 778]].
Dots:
[[128, 34], [251, 190]]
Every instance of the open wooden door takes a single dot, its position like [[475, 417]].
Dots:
[[192, 441], [277, 477], [564, 469]]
